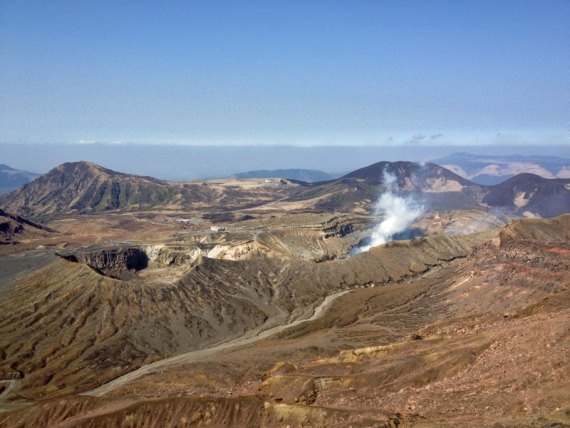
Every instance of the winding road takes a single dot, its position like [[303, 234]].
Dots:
[[202, 354]]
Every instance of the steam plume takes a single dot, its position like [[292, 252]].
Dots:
[[398, 214]]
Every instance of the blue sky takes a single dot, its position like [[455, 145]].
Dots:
[[285, 72]]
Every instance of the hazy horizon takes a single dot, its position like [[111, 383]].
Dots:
[[285, 73], [175, 162]]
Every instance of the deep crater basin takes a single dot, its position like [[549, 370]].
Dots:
[[119, 262], [410, 233]]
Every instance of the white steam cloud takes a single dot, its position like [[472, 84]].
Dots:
[[398, 214]]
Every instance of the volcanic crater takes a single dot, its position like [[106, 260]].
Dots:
[[234, 303]]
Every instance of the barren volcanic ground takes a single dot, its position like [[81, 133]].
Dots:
[[153, 318]]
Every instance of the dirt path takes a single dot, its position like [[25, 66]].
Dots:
[[203, 354], [7, 406], [11, 384]]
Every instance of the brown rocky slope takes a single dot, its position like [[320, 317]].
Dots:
[[82, 328], [84, 187], [464, 333]]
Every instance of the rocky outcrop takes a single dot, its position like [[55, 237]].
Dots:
[[169, 256]]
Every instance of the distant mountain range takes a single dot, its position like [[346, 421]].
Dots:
[[83, 187], [435, 187], [495, 169], [11, 178], [306, 175], [531, 193]]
